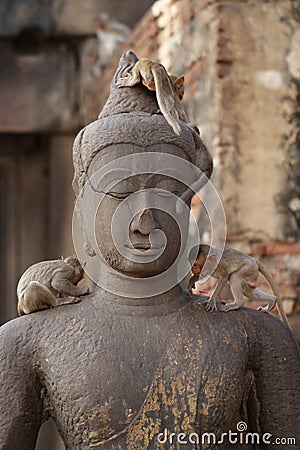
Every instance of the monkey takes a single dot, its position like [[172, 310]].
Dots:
[[43, 283], [241, 271], [155, 77]]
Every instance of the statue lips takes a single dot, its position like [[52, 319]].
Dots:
[[144, 249]]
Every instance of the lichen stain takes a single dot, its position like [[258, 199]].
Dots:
[[99, 417], [210, 389], [171, 400]]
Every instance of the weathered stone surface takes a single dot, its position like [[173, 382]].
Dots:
[[252, 115], [75, 17], [65, 17], [38, 91], [66, 13], [16, 16]]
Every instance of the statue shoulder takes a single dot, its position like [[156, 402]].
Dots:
[[16, 335]]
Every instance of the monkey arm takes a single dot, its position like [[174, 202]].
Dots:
[[212, 302], [131, 80], [20, 405], [64, 286]]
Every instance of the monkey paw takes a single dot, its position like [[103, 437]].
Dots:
[[264, 309], [72, 300], [211, 306], [229, 307]]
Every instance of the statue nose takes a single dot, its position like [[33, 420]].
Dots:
[[143, 222]]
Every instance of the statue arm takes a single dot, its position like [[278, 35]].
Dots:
[[20, 403], [277, 373]]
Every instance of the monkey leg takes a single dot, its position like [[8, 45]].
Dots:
[[260, 296], [212, 302], [129, 81], [37, 297], [65, 287], [236, 288], [69, 301], [126, 82], [191, 284]]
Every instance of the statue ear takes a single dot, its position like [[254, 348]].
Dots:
[[87, 245], [85, 240]]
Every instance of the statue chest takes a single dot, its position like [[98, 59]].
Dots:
[[140, 377]]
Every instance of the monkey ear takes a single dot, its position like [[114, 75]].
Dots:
[[179, 83]]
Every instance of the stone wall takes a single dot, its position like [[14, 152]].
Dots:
[[241, 61]]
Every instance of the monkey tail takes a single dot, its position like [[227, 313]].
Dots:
[[268, 276], [162, 102]]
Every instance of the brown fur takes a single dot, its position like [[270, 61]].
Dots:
[[42, 284], [241, 271]]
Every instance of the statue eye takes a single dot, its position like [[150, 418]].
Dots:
[[119, 195], [121, 190]]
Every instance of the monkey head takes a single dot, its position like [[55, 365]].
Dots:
[[78, 267], [200, 259], [178, 83]]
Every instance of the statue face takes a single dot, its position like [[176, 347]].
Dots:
[[130, 214]]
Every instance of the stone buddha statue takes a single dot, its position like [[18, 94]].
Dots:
[[137, 364]]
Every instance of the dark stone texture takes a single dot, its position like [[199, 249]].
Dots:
[[121, 373], [18, 15], [37, 91]]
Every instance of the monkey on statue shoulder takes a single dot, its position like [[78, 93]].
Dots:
[[43, 283], [241, 271]]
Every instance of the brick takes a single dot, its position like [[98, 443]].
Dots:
[[283, 248], [288, 292], [258, 249]]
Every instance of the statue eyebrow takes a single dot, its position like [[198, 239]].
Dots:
[[171, 173], [120, 173], [112, 175]]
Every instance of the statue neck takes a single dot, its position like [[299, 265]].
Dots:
[[117, 288]]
